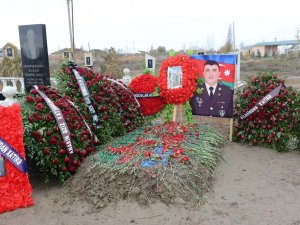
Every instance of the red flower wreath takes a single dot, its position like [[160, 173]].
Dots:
[[189, 79], [15, 189], [146, 83]]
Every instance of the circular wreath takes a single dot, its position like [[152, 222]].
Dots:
[[147, 83], [45, 145], [189, 79], [273, 124]]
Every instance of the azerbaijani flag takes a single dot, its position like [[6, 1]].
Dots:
[[227, 65]]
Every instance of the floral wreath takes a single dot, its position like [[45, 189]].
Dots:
[[115, 105], [45, 145], [274, 125], [181, 94], [147, 84]]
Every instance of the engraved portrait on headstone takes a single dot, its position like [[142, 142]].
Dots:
[[31, 48], [34, 52]]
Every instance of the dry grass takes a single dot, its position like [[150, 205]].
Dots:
[[287, 67]]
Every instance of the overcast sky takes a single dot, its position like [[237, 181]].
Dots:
[[141, 24]]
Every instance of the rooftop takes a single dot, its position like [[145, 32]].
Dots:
[[272, 43]]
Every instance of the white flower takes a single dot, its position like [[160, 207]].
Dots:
[[8, 92]]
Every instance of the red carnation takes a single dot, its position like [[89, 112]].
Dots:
[[39, 106], [48, 117], [30, 98], [53, 141], [34, 91], [39, 99], [30, 119], [36, 134]]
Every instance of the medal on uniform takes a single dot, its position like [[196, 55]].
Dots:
[[222, 112], [200, 101]]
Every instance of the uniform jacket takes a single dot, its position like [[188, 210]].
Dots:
[[220, 106]]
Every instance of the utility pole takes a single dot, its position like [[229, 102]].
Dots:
[[71, 26], [297, 34], [233, 35]]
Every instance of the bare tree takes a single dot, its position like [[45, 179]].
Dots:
[[228, 46], [210, 43], [11, 67], [112, 66]]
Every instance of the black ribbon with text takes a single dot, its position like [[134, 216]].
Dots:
[[272, 94]]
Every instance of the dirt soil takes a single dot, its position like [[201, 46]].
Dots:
[[254, 185]]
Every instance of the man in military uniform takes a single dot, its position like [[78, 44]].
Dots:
[[216, 100]]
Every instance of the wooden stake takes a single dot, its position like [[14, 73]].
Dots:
[[174, 113], [230, 129], [177, 113]]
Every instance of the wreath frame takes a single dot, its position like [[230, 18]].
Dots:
[[182, 94]]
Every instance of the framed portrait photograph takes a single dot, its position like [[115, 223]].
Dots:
[[217, 77], [174, 77]]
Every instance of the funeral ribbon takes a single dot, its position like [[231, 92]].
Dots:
[[63, 127], [81, 116], [263, 101], [85, 123], [145, 95], [87, 98], [8, 152]]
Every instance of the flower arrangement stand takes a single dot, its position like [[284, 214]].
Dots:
[[15, 188]]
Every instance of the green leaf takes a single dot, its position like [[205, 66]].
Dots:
[[199, 90], [188, 112], [278, 134], [190, 52], [200, 81], [156, 92], [169, 112], [172, 53], [147, 71]]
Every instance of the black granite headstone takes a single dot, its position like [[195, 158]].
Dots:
[[88, 61], [34, 51], [150, 63], [66, 55]]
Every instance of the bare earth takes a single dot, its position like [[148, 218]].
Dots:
[[255, 186]]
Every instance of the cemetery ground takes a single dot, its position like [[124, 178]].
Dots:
[[252, 185]]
